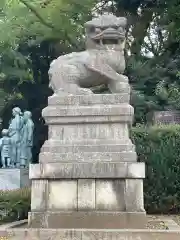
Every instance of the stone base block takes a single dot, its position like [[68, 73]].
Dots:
[[67, 195], [14, 178], [89, 220]]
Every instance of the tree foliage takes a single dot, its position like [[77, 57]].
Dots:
[[153, 62], [32, 34]]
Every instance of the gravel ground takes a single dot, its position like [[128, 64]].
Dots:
[[176, 218], [157, 226], [154, 224]]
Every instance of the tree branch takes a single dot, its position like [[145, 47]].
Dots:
[[139, 31], [33, 10], [45, 23]]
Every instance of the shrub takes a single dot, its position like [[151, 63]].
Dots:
[[14, 205], [159, 148]]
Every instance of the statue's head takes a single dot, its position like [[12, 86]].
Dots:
[[27, 115], [16, 111], [106, 32], [5, 132]]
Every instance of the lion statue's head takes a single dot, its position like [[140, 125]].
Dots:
[[106, 32]]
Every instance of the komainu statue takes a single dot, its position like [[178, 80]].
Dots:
[[102, 63]]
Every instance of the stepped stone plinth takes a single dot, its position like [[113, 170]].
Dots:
[[88, 175]]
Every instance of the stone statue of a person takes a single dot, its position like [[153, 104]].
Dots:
[[5, 147], [15, 129], [27, 140]]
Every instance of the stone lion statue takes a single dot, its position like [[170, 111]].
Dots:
[[102, 63]]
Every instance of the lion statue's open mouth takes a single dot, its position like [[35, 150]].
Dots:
[[108, 36]]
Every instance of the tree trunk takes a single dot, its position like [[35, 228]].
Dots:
[[139, 30]]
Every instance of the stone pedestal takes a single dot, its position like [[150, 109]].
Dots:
[[14, 178], [88, 175]]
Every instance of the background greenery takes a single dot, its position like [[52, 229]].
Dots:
[[14, 205], [159, 148]]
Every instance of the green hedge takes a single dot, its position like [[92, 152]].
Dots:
[[14, 205], [159, 148]]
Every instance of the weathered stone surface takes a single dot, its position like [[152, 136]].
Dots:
[[110, 195], [94, 110], [89, 141], [87, 234], [39, 194], [86, 194], [60, 234], [87, 170], [134, 195], [130, 235], [14, 178], [62, 195], [89, 119], [89, 194], [89, 148], [136, 170], [47, 157], [87, 100], [92, 130], [41, 234], [88, 219]]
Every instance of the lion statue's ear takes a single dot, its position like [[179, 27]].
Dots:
[[123, 21]]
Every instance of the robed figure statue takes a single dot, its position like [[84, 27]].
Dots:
[[15, 131], [26, 139]]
